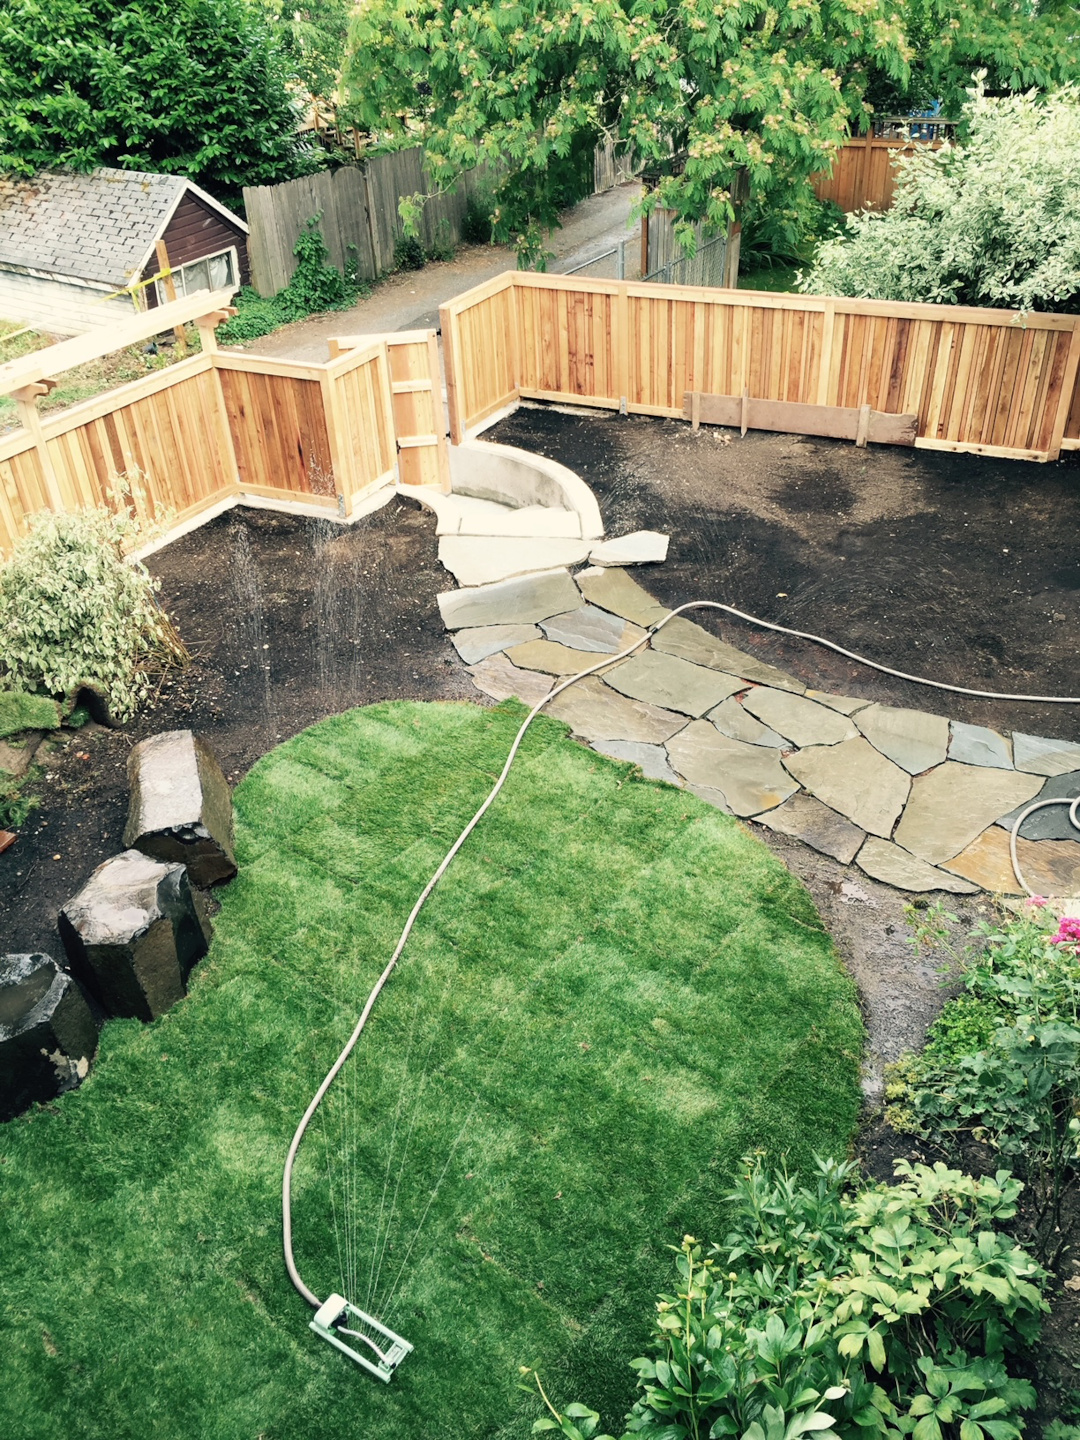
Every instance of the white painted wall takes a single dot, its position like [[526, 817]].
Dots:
[[56, 305]]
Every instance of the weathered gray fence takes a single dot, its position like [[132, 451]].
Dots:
[[611, 167]]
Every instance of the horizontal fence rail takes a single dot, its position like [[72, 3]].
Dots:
[[991, 382]]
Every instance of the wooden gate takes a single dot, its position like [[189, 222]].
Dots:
[[416, 396]]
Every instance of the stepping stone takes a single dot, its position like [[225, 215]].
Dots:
[[588, 628], [801, 720], [806, 819], [181, 807], [484, 559], [690, 642], [1051, 867], [48, 1034], [614, 590], [643, 547], [502, 680], [979, 745], [750, 777], [553, 659], [651, 759], [672, 683], [731, 719], [911, 739], [949, 806], [466, 515], [1053, 822], [854, 779], [595, 712], [846, 704], [522, 601], [480, 641], [133, 933], [1040, 756], [897, 867], [711, 797]]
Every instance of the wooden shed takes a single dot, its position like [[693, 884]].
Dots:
[[75, 249]]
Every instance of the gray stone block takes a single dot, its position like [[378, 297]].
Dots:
[[181, 807], [48, 1033], [133, 933]]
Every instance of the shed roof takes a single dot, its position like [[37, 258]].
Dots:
[[99, 227]]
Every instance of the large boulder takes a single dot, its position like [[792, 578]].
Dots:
[[48, 1033], [133, 933], [181, 807]]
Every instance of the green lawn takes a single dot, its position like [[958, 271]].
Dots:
[[615, 992]]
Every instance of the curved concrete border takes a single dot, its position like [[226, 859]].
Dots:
[[516, 478]]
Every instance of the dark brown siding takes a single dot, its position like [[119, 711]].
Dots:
[[195, 231]]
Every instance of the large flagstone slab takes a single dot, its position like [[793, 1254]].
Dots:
[[672, 683], [895, 866], [643, 547], [595, 712], [750, 777], [552, 658], [1051, 867], [500, 679], [479, 641], [484, 559], [688, 641], [522, 601], [731, 719], [652, 759], [979, 745], [711, 797], [1052, 823], [801, 720], [588, 628], [952, 804], [911, 739], [846, 704], [855, 779], [614, 590], [813, 823], [1041, 756]]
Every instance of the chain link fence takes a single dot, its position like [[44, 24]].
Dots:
[[705, 267]]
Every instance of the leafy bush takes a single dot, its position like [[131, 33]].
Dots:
[[991, 222], [15, 803], [316, 286], [476, 222], [880, 1312], [408, 253], [75, 612]]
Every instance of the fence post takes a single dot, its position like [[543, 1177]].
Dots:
[[620, 269], [26, 403], [825, 361], [621, 343], [1068, 385]]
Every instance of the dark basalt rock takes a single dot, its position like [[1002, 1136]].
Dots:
[[48, 1034], [133, 933], [181, 807]]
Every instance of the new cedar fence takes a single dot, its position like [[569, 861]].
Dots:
[[862, 175], [990, 382], [192, 439]]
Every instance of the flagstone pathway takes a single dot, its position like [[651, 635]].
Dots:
[[916, 801]]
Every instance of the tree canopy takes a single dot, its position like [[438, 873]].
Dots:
[[191, 87], [993, 221]]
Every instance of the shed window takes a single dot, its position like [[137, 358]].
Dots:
[[215, 272]]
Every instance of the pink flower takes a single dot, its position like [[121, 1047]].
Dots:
[[1036, 902], [1068, 932]]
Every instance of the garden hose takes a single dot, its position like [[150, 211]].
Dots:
[[601, 664]]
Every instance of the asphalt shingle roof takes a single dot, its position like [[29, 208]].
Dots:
[[96, 227]]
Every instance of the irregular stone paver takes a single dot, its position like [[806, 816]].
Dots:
[[525, 600], [750, 777], [887, 862], [801, 720], [643, 547], [480, 641], [614, 590], [711, 797], [588, 628], [651, 759], [672, 683], [498, 677], [483, 559], [952, 804], [846, 704], [555, 659], [731, 719], [806, 819], [1040, 756], [1051, 867], [688, 641], [979, 745], [597, 713], [854, 779], [1053, 822], [910, 738]]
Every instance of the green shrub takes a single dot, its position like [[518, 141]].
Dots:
[[316, 286], [20, 711], [476, 222], [74, 611], [15, 803], [408, 253]]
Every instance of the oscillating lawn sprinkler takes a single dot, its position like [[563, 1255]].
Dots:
[[384, 1350]]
